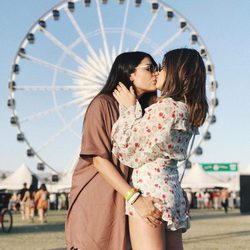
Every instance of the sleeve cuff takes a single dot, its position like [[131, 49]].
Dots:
[[134, 112]]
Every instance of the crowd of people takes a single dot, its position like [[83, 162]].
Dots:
[[214, 199], [31, 203]]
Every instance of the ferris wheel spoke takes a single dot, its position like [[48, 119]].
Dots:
[[60, 132], [125, 18], [70, 53], [47, 88], [103, 34], [167, 43], [50, 111], [81, 34], [52, 66], [89, 79], [63, 47], [149, 26], [102, 70]]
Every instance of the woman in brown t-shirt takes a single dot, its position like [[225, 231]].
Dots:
[[96, 215]]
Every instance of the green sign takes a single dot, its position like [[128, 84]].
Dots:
[[220, 167]]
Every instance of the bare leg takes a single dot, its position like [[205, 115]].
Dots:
[[22, 210], [144, 236], [174, 240], [41, 215]]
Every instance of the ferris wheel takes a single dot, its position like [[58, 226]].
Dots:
[[64, 60]]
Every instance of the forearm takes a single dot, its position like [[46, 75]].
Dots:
[[111, 175], [143, 205]]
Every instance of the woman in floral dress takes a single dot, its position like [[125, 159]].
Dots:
[[153, 143]]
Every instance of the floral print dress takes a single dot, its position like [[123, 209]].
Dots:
[[152, 144]]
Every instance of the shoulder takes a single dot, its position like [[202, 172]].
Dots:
[[102, 101], [175, 105], [103, 108]]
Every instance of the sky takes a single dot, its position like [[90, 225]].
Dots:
[[224, 27]]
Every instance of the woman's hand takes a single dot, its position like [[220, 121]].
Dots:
[[144, 206], [124, 96]]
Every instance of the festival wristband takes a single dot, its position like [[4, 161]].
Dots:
[[129, 194]]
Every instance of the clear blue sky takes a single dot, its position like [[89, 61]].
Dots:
[[223, 25]]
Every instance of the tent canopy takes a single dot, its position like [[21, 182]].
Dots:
[[197, 178], [15, 180]]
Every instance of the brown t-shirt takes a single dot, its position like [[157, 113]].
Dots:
[[96, 215]]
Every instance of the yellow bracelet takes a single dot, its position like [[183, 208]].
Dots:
[[130, 193]]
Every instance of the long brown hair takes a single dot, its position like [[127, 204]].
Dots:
[[186, 81]]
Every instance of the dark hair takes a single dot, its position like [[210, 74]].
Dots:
[[123, 66], [43, 187], [186, 81]]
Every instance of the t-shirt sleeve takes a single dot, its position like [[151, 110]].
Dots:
[[96, 131]]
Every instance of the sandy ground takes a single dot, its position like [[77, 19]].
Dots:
[[211, 230]]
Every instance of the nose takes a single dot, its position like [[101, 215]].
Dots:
[[156, 73]]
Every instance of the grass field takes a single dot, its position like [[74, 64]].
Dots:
[[210, 230]]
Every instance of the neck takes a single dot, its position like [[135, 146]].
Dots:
[[139, 93]]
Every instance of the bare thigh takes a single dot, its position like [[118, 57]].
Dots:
[[145, 237], [174, 240]]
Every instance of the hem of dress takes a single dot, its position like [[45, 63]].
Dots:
[[184, 225]]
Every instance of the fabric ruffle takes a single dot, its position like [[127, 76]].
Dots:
[[183, 223]]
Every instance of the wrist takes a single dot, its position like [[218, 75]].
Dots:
[[134, 198], [130, 193]]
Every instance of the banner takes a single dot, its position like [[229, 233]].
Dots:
[[220, 167]]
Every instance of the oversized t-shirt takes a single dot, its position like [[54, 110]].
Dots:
[[95, 219]]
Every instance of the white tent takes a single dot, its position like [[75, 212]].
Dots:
[[197, 178], [234, 183], [64, 183], [245, 171], [15, 180]]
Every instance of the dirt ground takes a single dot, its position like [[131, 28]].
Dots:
[[210, 230]]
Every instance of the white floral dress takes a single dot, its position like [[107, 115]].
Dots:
[[152, 144]]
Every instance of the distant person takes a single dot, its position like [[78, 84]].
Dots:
[[42, 201], [206, 199], [211, 204], [189, 196], [216, 199], [61, 201], [21, 194], [53, 201], [200, 199], [14, 202], [29, 205], [224, 199]]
